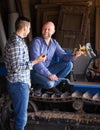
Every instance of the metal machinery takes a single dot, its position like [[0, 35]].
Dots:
[[75, 109]]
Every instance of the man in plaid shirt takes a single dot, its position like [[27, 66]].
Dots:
[[18, 71]]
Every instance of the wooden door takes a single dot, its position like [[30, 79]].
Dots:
[[44, 13], [72, 25]]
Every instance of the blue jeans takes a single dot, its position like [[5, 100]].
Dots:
[[19, 93], [61, 69]]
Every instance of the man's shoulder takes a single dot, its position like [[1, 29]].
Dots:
[[54, 41], [15, 40], [37, 38]]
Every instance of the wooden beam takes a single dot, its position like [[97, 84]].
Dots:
[[97, 2]]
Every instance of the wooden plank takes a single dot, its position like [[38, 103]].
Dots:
[[72, 25], [97, 35], [44, 13], [97, 2]]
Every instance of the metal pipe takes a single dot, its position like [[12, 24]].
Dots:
[[2, 36]]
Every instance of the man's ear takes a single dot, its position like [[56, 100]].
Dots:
[[25, 28], [53, 31]]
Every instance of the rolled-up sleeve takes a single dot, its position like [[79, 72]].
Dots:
[[60, 52]]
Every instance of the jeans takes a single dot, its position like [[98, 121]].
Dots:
[[19, 93], [61, 69]]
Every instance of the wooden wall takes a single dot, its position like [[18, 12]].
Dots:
[[28, 8], [51, 8], [94, 20], [97, 26]]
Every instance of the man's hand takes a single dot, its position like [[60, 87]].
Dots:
[[78, 53], [53, 77], [41, 58], [81, 51]]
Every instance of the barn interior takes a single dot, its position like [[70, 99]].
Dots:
[[77, 23]]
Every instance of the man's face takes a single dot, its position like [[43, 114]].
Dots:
[[48, 30]]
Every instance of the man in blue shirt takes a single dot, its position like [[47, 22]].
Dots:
[[46, 74], [18, 71]]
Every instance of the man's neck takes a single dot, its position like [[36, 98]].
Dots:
[[19, 33], [48, 41]]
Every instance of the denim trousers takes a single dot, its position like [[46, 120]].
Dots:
[[61, 69], [19, 93]]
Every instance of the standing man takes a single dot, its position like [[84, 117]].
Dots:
[[18, 71], [46, 74]]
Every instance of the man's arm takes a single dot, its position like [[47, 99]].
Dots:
[[63, 55], [35, 51]]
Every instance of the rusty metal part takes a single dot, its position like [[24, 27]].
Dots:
[[66, 118], [87, 96], [78, 105], [96, 97], [66, 97]]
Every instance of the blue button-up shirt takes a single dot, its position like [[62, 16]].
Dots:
[[38, 46], [17, 60]]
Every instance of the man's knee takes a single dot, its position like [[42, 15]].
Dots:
[[49, 84], [70, 65]]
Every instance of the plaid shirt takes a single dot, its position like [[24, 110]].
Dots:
[[17, 60]]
